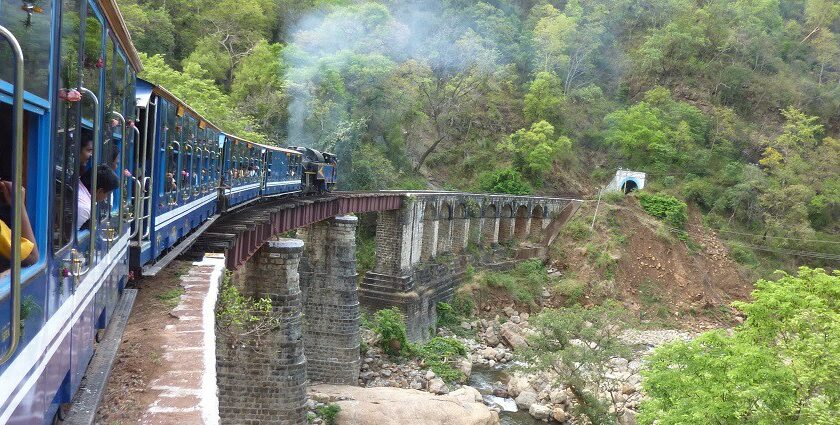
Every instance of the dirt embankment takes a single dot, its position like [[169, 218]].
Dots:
[[686, 280], [139, 358]]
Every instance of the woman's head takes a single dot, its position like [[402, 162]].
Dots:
[[106, 181], [85, 152]]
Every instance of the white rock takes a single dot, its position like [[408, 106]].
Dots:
[[540, 411], [437, 386], [526, 398], [515, 319], [430, 375]]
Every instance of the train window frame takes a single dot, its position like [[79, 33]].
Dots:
[[37, 50], [67, 113], [172, 157]]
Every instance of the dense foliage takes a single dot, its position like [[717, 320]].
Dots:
[[782, 366], [440, 355], [668, 208], [731, 105]]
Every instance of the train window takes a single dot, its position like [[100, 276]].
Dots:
[[93, 62], [67, 129], [173, 152], [30, 22]]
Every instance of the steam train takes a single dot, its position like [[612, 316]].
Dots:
[[71, 106]]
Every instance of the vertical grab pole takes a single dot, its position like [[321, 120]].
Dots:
[[97, 139], [120, 175], [17, 196]]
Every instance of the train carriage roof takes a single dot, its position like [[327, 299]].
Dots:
[[145, 89], [115, 21], [271, 147]]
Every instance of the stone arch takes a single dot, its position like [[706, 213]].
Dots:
[[488, 231], [473, 225], [429, 232], [460, 228], [444, 236], [537, 216], [520, 228], [505, 222]]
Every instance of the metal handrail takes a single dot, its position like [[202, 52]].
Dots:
[[138, 188], [146, 217], [94, 184], [150, 183], [121, 225], [17, 206]]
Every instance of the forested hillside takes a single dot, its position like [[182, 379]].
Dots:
[[730, 105]]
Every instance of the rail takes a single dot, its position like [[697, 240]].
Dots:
[[17, 168], [94, 184]]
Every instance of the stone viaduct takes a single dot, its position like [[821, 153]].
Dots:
[[422, 240]]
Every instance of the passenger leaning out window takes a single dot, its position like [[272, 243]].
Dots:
[[28, 248], [106, 182]]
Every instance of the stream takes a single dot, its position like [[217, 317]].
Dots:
[[482, 379]]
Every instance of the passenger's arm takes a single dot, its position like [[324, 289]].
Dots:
[[25, 226]]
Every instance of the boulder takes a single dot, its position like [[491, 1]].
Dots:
[[385, 405], [511, 335], [509, 311], [540, 411], [525, 399], [465, 366], [437, 386], [488, 353], [559, 414], [517, 384], [557, 396], [467, 394], [491, 338]]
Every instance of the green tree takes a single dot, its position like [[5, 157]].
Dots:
[[201, 94], [544, 99], [535, 150], [505, 180], [578, 343], [782, 366]]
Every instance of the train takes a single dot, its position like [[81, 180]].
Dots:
[[105, 176]]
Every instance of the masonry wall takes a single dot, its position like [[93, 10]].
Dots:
[[331, 306], [265, 383]]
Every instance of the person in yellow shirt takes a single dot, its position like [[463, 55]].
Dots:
[[28, 249]]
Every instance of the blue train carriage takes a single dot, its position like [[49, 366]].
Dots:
[[242, 171], [179, 169], [282, 171], [67, 73], [319, 170]]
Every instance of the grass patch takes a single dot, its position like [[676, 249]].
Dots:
[[524, 283], [652, 302], [572, 289], [578, 230], [172, 297]]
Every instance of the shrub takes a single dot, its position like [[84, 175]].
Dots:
[[329, 413], [440, 355], [578, 230], [389, 324], [666, 208], [505, 180], [446, 316], [701, 192]]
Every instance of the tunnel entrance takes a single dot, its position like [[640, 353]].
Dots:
[[629, 186]]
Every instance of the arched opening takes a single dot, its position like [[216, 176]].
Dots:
[[460, 229], [629, 185], [520, 229], [444, 237], [488, 232], [505, 221], [537, 216], [429, 232]]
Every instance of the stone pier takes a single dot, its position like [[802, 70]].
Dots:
[[331, 302], [266, 384]]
